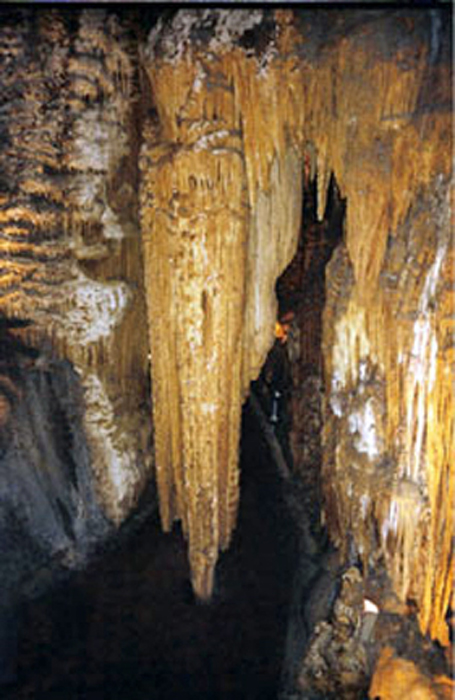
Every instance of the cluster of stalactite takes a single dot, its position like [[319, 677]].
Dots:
[[189, 147], [388, 327], [220, 219], [315, 90]]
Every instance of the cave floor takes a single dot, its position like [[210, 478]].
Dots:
[[129, 628]]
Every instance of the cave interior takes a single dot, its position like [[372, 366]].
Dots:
[[226, 353]]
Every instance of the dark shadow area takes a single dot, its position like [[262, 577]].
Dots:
[[129, 626], [294, 374]]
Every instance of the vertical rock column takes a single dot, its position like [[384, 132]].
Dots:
[[101, 326], [388, 473], [220, 205]]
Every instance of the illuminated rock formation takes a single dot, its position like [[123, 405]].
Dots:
[[223, 108], [188, 148], [397, 678], [220, 220], [388, 335]]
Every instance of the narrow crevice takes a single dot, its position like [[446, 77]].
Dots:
[[289, 392]]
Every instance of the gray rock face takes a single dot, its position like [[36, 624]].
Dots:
[[49, 516]]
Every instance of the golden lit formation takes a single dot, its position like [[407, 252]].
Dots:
[[158, 200], [216, 234], [222, 166], [70, 244]]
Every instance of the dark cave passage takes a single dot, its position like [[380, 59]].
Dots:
[[129, 626]]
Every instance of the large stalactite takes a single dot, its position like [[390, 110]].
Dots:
[[220, 220]]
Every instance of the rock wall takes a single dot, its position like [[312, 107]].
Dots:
[[69, 243]]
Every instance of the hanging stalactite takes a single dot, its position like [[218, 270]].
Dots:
[[240, 99], [216, 234], [228, 111]]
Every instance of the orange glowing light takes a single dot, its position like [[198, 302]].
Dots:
[[282, 327], [280, 332]]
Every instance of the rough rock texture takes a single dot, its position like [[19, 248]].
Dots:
[[227, 110], [69, 239], [336, 662], [388, 326], [397, 678], [301, 297], [220, 220]]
